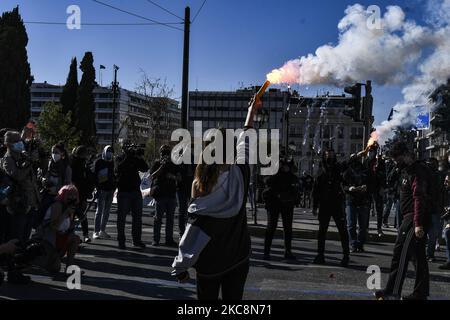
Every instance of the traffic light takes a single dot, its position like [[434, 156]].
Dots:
[[353, 110]]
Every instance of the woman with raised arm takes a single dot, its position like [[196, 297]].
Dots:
[[216, 242]]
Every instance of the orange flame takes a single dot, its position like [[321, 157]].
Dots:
[[373, 139]]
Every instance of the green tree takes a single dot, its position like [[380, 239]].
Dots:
[[70, 90], [15, 76], [54, 126], [85, 106]]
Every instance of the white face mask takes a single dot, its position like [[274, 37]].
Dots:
[[56, 157]]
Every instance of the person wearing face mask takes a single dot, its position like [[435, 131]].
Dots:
[[357, 198], [280, 196], [411, 240], [328, 198], [105, 184], [58, 174], [24, 197]]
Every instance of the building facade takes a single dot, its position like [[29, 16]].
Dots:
[[134, 121], [307, 125]]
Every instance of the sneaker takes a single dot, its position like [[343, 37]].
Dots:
[[155, 244], [354, 250], [319, 259], [104, 235], [345, 261], [385, 225], [86, 239], [15, 277], [139, 245], [431, 259], [445, 266], [413, 297], [380, 233], [438, 247], [96, 236], [122, 246]]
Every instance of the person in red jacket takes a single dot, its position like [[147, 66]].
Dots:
[[411, 240]]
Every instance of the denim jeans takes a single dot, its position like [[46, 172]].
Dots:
[[167, 206], [398, 214], [447, 241], [104, 201], [357, 216], [389, 201], [126, 202], [433, 234]]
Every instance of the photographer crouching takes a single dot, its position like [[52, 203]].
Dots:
[[129, 197]]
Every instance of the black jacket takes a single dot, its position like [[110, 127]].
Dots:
[[128, 168], [356, 177], [282, 190], [328, 194], [82, 178]]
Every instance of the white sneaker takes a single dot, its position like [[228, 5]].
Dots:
[[104, 235], [96, 235]]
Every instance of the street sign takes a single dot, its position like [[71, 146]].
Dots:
[[423, 120]]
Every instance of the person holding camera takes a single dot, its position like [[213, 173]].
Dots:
[[23, 198], [129, 196], [165, 177], [280, 196]]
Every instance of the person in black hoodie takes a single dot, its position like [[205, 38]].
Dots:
[[216, 241], [281, 195], [328, 197], [105, 183], [83, 179]]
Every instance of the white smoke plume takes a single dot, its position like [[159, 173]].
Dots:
[[397, 53]]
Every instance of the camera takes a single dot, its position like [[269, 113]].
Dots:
[[134, 150]]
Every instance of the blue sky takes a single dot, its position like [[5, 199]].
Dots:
[[232, 41]]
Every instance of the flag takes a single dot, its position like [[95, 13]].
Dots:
[[102, 67]]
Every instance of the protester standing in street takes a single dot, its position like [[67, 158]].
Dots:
[[357, 201], [216, 241], [129, 197], [105, 183], [165, 176], [412, 236], [328, 198], [281, 195]]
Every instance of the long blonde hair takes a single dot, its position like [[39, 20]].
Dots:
[[206, 175]]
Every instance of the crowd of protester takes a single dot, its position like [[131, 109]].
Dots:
[[45, 196]]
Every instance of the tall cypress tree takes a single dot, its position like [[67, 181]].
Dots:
[[85, 106], [15, 75], [70, 91]]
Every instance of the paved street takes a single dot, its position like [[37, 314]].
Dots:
[[114, 274]]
